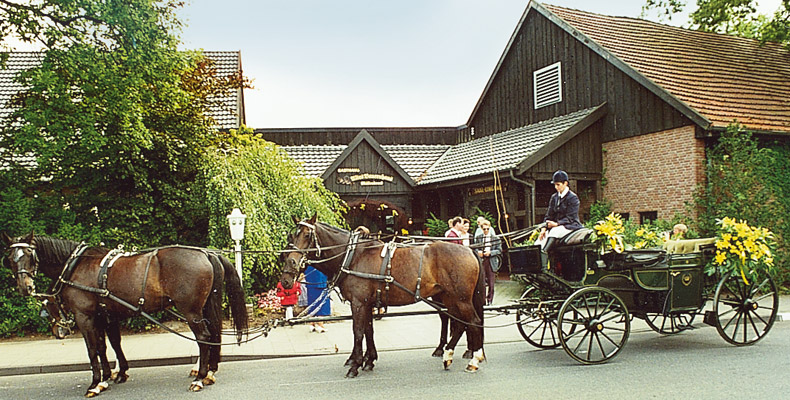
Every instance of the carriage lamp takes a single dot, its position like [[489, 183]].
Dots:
[[236, 221]]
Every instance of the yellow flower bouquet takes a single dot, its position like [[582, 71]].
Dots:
[[648, 237], [742, 249], [609, 233]]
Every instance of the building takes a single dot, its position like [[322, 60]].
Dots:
[[626, 106]]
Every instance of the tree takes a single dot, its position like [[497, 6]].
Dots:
[[256, 176], [734, 17], [115, 117]]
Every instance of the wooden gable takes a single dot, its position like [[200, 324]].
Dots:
[[366, 168]]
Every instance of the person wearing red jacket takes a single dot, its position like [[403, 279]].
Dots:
[[289, 298]]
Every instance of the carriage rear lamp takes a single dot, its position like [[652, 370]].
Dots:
[[236, 221]]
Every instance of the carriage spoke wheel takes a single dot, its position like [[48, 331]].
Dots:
[[670, 324], [539, 328], [743, 313], [601, 325]]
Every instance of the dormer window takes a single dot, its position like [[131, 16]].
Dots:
[[547, 88]]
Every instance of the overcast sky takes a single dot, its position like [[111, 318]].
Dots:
[[368, 63]]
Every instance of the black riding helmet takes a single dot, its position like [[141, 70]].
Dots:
[[560, 176]]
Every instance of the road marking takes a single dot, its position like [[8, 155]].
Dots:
[[783, 317]]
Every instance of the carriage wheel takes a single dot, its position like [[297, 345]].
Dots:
[[600, 324], [538, 328], [670, 324], [743, 313]]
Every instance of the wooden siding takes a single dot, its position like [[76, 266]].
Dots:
[[335, 136], [588, 80], [368, 161], [581, 157]]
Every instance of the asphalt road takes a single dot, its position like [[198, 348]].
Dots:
[[696, 364]]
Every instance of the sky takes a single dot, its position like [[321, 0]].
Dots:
[[368, 63]]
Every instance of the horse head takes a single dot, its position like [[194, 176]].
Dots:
[[21, 257], [303, 237]]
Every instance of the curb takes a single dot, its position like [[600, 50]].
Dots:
[[188, 360]]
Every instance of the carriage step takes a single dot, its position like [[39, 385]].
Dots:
[[710, 318]]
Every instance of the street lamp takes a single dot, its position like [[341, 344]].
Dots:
[[236, 221]]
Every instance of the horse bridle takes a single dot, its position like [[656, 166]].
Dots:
[[19, 253]]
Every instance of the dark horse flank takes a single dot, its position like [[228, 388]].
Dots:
[[447, 271], [188, 278]]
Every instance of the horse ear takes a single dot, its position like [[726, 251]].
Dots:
[[296, 220], [29, 238], [5, 238], [312, 220]]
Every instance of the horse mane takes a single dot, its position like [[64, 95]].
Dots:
[[53, 251], [333, 228]]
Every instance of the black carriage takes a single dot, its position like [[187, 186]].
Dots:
[[585, 301]]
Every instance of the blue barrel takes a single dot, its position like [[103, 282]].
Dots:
[[316, 283]]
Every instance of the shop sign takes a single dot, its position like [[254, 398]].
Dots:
[[365, 179], [486, 189]]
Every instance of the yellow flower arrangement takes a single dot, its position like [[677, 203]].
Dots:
[[648, 237], [742, 249], [609, 233]]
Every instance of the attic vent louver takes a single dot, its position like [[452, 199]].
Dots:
[[547, 88]]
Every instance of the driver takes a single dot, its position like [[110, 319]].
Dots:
[[562, 217]]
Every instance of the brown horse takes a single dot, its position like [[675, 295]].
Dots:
[[188, 278], [439, 269]]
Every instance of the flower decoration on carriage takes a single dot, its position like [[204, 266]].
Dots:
[[742, 249], [609, 233], [648, 237]]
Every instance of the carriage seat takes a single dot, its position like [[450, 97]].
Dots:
[[685, 246], [579, 236]]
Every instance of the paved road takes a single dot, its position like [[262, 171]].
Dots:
[[697, 364]]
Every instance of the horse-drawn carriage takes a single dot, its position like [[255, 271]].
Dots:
[[585, 301]]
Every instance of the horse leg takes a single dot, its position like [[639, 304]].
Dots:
[[456, 330], [474, 335], [198, 325], [442, 336], [215, 330], [114, 334], [94, 340], [371, 355], [360, 315]]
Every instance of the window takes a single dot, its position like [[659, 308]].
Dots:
[[547, 85], [646, 217]]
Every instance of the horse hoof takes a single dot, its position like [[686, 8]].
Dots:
[[447, 363], [468, 354], [352, 373], [102, 386], [368, 367], [120, 377], [193, 372], [196, 386], [472, 369], [209, 379], [438, 352]]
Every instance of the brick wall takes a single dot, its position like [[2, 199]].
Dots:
[[654, 172]]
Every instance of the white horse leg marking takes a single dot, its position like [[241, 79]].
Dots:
[[447, 358], [195, 369], [474, 363]]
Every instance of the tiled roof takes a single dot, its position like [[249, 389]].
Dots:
[[415, 159], [720, 76], [315, 159], [227, 116], [501, 151]]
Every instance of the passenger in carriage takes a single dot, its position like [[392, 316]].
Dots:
[[562, 216]]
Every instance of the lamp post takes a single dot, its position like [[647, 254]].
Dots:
[[236, 221]]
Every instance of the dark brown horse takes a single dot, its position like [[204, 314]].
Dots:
[[445, 270], [188, 278]]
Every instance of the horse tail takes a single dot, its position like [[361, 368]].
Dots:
[[479, 298], [236, 298]]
